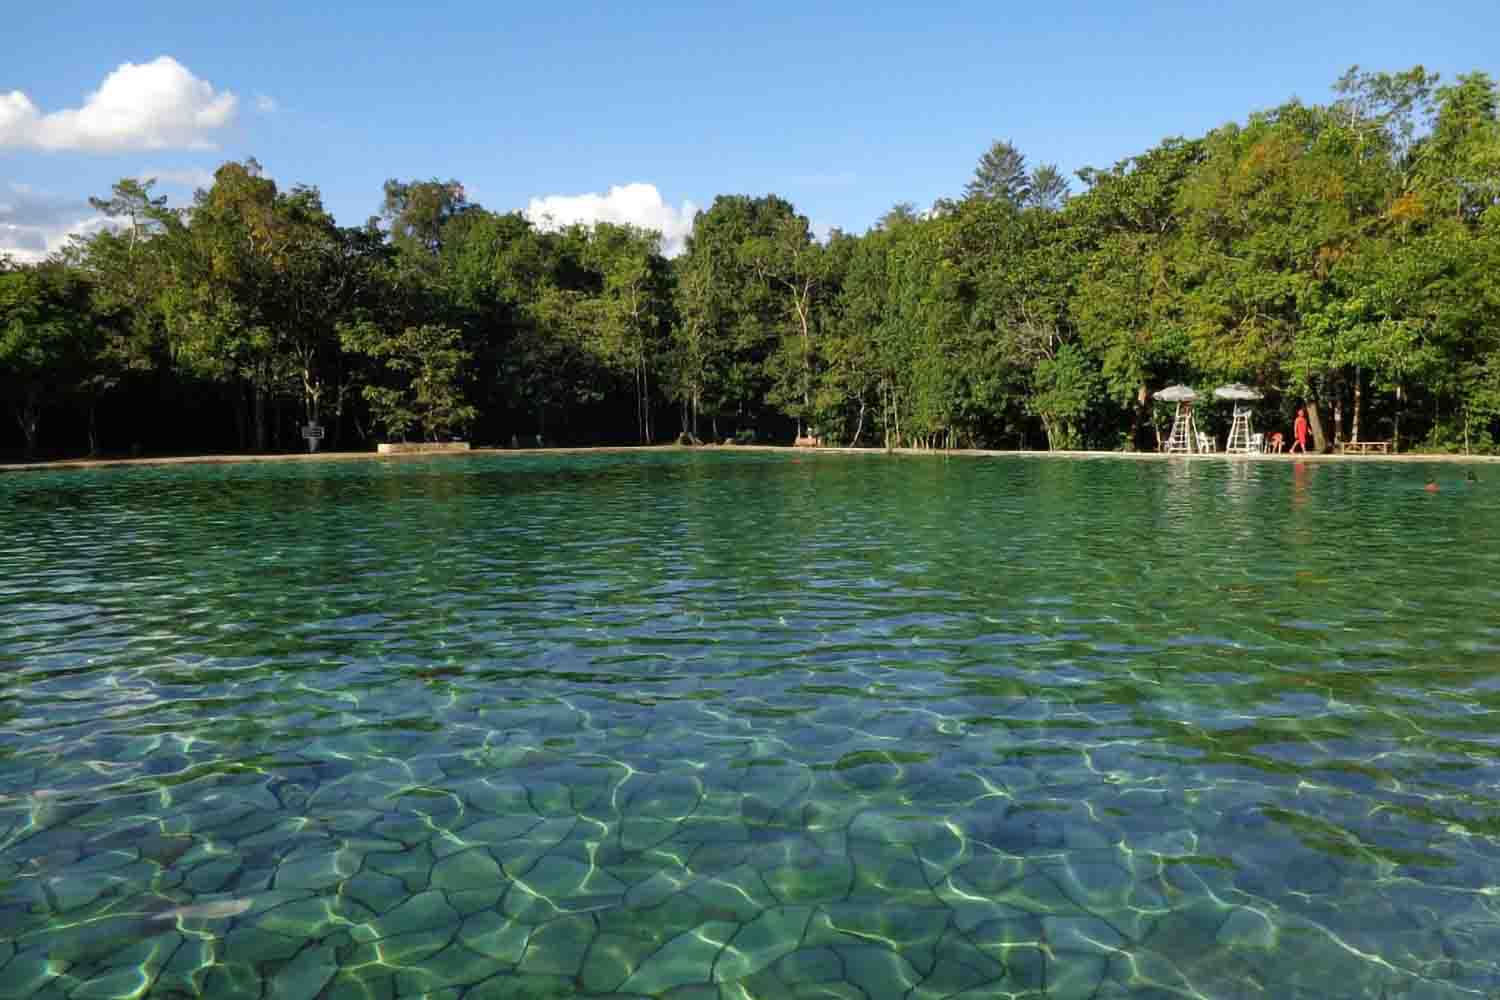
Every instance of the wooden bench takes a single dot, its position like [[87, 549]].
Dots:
[[1364, 447]]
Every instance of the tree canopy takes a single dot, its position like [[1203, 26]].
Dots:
[[1343, 257]]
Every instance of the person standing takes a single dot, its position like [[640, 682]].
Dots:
[[1299, 432]]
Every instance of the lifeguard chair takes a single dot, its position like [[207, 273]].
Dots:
[[1241, 440], [1184, 437]]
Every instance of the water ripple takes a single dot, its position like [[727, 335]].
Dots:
[[749, 726]]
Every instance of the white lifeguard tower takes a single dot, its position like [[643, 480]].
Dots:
[[1184, 438], [1241, 440]]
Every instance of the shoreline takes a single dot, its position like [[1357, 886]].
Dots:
[[346, 456]]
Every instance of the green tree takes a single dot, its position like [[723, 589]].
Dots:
[[418, 212], [1046, 188], [1127, 308], [790, 264], [263, 278], [632, 271], [128, 270], [423, 369], [729, 314], [1000, 176], [48, 341]]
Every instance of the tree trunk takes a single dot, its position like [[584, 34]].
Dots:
[[1137, 417], [1315, 424], [29, 415], [859, 428], [1396, 423], [259, 397], [93, 427], [1358, 398], [241, 418]]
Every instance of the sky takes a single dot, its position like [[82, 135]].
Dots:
[[643, 113]]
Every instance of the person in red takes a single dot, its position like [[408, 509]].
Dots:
[[1299, 431]]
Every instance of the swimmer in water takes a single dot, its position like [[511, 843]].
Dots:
[[1432, 486]]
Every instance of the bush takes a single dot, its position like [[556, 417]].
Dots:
[[744, 436]]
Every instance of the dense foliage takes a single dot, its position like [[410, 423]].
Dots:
[[1343, 257]]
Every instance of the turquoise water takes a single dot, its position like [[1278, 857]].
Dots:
[[750, 725]]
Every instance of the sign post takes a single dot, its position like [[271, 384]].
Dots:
[[314, 435]]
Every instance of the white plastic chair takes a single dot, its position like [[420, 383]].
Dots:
[[1257, 443], [1205, 443]]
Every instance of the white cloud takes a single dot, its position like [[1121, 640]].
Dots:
[[154, 105], [266, 104], [33, 225], [189, 177], [634, 204]]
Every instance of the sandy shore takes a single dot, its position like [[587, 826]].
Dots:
[[348, 456]]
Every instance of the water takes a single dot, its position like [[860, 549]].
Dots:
[[749, 725]]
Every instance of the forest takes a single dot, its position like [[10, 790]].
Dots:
[[1343, 257]]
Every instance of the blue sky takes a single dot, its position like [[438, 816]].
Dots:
[[844, 108]]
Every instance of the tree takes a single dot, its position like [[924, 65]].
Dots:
[[1000, 176], [790, 262], [903, 213], [1385, 110], [630, 265], [1064, 386], [418, 211], [423, 369], [48, 342], [1460, 160], [1046, 188], [1273, 206], [1127, 306], [728, 311], [131, 199], [129, 271]]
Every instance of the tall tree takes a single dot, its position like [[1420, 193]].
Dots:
[[1046, 188], [131, 199], [791, 264], [728, 313], [629, 263], [418, 211], [423, 373], [48, 342], [1000, 176]]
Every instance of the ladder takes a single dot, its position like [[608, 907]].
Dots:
[[1239, 432], [1183, 438]]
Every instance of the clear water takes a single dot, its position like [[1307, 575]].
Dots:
[[750, 725]]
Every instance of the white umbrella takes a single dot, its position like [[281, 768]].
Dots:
[[1241, 441], [1177, 394], [1184, 436]]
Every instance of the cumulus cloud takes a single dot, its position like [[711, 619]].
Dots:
[[33, 224], [154, 105], [634, 204]]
